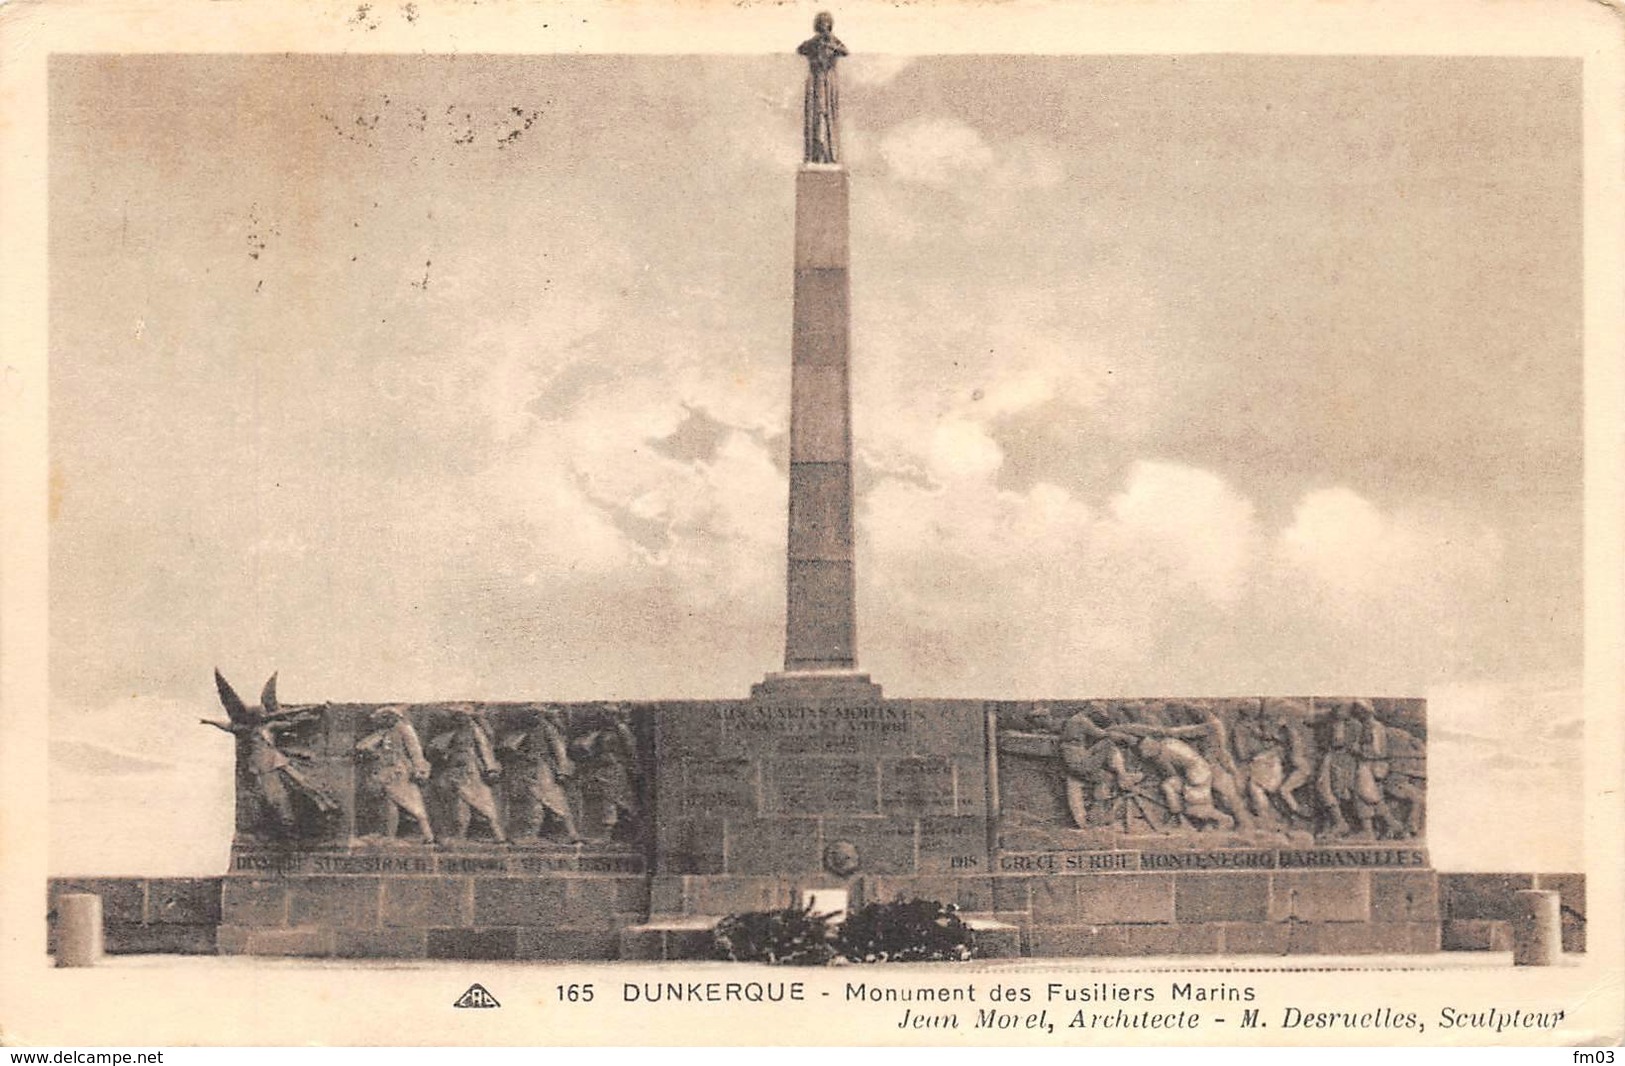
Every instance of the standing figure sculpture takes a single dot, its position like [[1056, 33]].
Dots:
[[611, 756], [821, 105], [468, 764], [273, 778], [1407, 776], [393, 766], [545, 763], [1353, 771]]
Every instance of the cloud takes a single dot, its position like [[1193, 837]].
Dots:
[[946, 153], [934, 151], [556, 468], [961, 448], [875, 69], [1035, 592], [1337, 536], [1533, 716], [159, 802], [1341, 542], [1025, 163], [1569, 729], [1202, 532]]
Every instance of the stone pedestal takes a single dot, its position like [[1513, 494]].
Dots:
[[409, 901], [766, 798], [79, 931], [1479, 908], [1314, 901], [816, 687], [1236, 826], [146, 915], [1537, 931]]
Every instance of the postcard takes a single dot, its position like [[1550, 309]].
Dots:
[[924, 524]]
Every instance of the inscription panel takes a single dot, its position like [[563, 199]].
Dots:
[[947, 727], [1067, 862], [1207, 860], [609, 864], [371, 864], [920, 784], [518, 860], [721, 787], [810, 730], [1353, 858], [953, 844], [821, 786], [1075, 862], [471, 864], [274, 863]]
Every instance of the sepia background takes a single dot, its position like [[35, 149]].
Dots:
[[437, 377]]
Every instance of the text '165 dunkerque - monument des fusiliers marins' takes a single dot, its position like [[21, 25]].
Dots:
[[549, 830]]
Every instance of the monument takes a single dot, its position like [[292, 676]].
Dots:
[[820, 644], [1259, 825]]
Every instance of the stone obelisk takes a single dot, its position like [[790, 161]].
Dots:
[[820, 609], [820, 647]]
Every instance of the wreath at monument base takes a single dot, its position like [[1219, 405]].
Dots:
[[914, 930], [793, 936]]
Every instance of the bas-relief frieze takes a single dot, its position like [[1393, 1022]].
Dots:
[[1085, 786], [1210, 774], [456, 775]]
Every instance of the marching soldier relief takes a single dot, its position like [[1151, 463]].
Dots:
[[395, 767], [468, 767]]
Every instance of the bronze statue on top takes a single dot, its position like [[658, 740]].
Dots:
[[821, 108]]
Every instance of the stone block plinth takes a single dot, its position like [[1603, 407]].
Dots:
[[1344, 901], [408, 901]]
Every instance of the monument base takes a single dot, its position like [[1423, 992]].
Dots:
[[408, 901], [181, 916], [676, 937], [686, 909], [1289, 901], [816, 686]]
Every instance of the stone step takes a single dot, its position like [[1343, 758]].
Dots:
[[665, 937], [995, 939], [669, 936]]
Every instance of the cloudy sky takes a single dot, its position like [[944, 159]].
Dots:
[[418, 377]]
